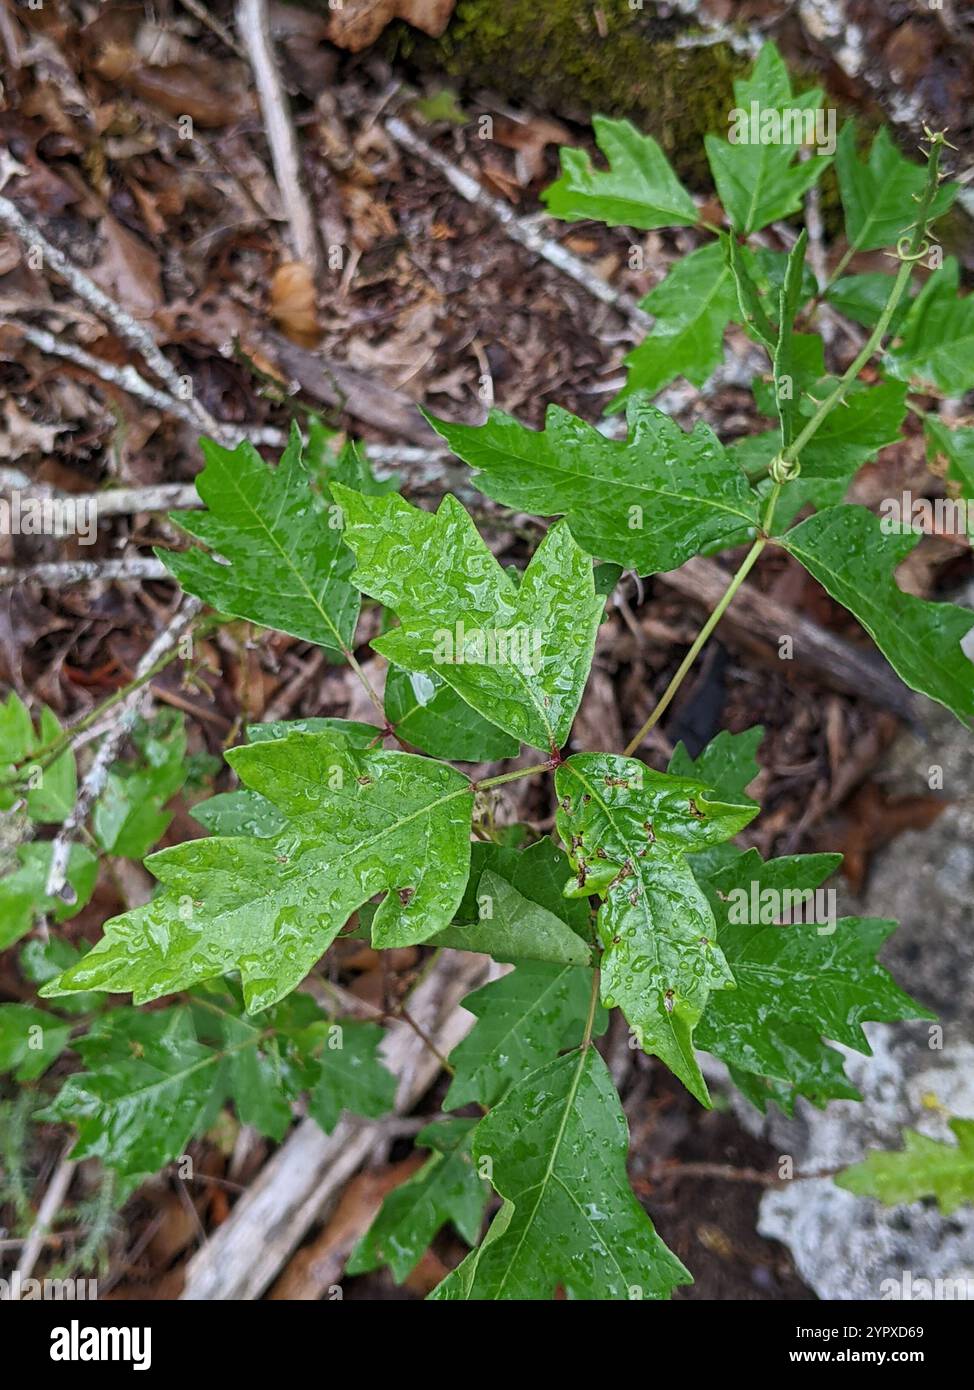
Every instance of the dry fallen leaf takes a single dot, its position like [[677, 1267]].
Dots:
[[360, 22], [292, 303]]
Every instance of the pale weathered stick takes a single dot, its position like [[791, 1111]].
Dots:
[[51, 1203], [304, 1176], [517, 228], [122, 718], [57, 574], [254, 28], [129, 329]]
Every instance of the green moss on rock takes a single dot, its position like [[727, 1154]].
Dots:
[[551, 55]]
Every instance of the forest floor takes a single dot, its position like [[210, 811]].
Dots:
[[420, 297]]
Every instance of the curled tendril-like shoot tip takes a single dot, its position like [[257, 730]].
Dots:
[[903, 252], [784, 470]]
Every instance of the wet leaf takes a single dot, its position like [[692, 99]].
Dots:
[[283, 562], [518, 654], [446, 1189], [846, 550], [558, 1145], [523, 1020], [359, 822], [628, 831], [648, 502]]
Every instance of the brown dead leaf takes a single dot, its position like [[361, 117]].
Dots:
[[874, 821], [319, 1266], [360, 22], [292, 303], [191, 89], [529, 136], [128, 269]]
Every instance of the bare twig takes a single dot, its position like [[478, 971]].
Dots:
[[129, 329], [60, 573], [519, 229], [51, 1204], [123, 718], [253, 26]]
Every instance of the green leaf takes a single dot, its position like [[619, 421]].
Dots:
[[558, 1144], [871, 418], [352, 1077], [759, 182], [145, 1092], [518, 654], [239, 813], [924, 1168], [957, 447], [284, 565], [446, 1188], [863, 298], [523, 1020], [846, 550], [333, 459], [511, 927], [816, 1072], [128, 818], [430, 715], [879, 195], [639, 189], [52, 790], [53, 798], [628, 831], [786, 364], [359, 822], [728, 764], [817, 975], [350, 730], [41, 961], [937, 347], [30, 1040], [23, 896], [648, 502], [692, 307], [538, 873], [753, 312]]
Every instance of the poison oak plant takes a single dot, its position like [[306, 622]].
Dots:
[[642, 902]]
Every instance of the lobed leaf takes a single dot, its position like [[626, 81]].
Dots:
[[628, 831], [359, 822], [639, 189], [648, 502], [519, 654]]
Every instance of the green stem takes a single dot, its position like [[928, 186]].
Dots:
[[592, 1006], [875, 339], [665, 699], [513, 776]]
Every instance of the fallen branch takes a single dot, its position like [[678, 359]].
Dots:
[[123, 718], [254, 28], [519, 229], [310, 1169]]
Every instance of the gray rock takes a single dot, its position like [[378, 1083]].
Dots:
[[846, 1247]]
